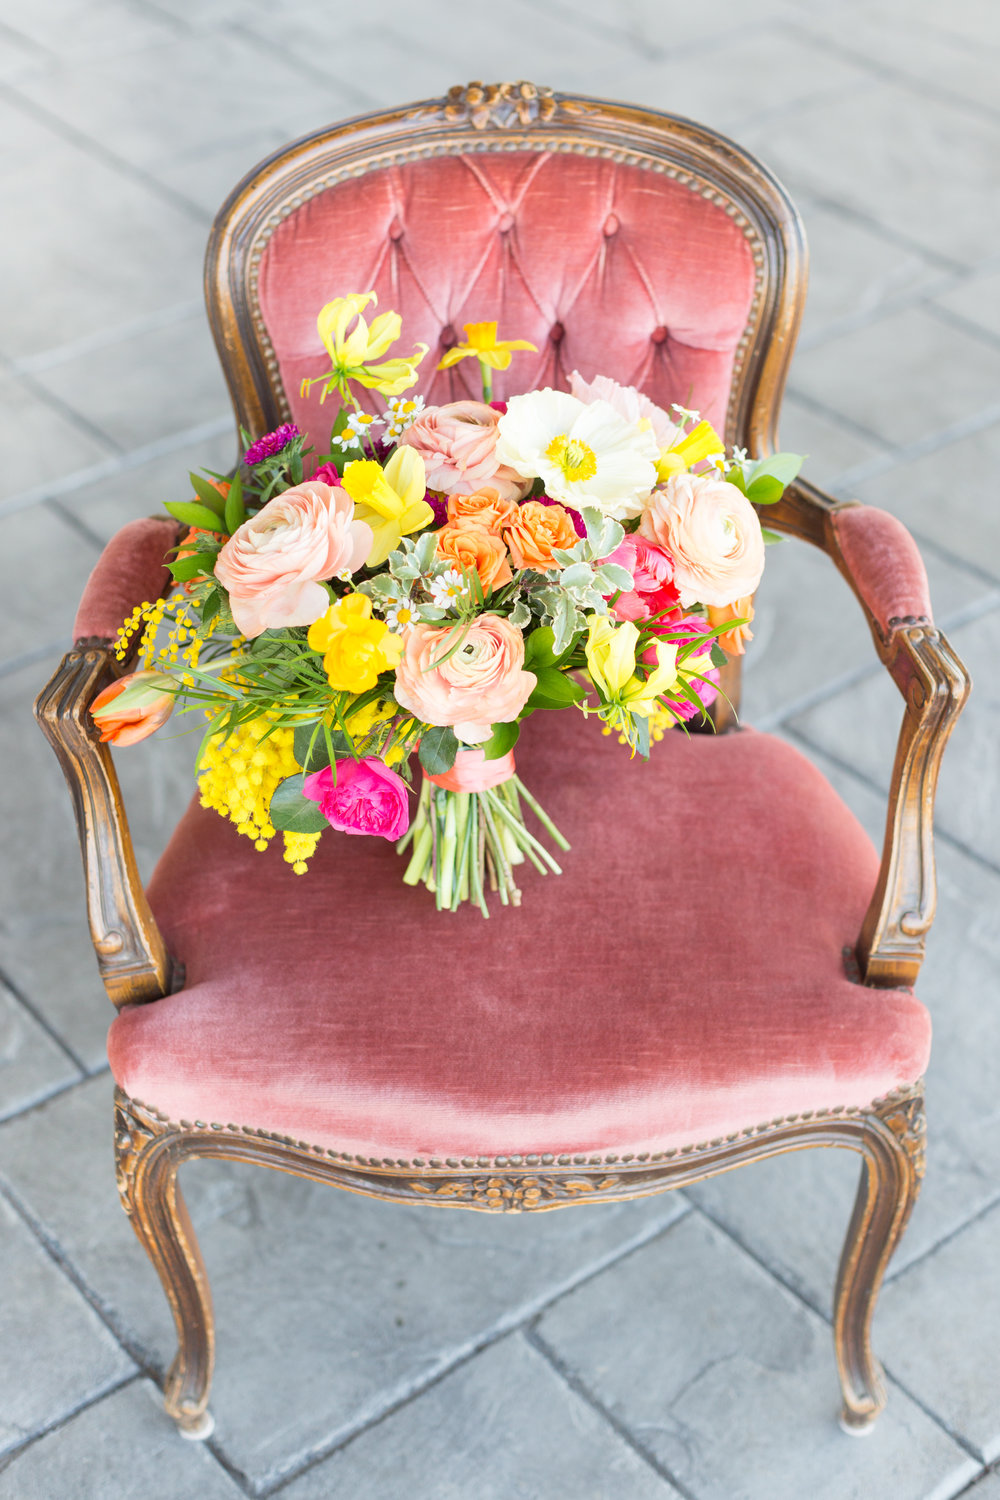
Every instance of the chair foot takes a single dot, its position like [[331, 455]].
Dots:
[[855, 1424], [197, 1430]]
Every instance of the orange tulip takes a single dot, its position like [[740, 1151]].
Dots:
[[133, 708]]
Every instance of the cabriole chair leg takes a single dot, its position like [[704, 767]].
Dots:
[[147, 1167], [891, 1174]]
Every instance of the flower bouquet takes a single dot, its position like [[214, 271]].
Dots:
[[438, 575]]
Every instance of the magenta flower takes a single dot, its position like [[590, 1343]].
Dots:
[[271, 443], [365, 798]]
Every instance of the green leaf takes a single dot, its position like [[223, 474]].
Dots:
[[235, 512], [783, 466], [718, 656], [770, 537], [538, 650], [554, 689], [735, 476], [186, 568], [208, 494], [503, 738], [438, 748], [292, 812], [194, 515], [210, 606], [309, 748], [765, 490]]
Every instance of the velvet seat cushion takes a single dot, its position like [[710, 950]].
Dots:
[[681, 980]]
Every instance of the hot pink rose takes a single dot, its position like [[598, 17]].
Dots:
[[711, 531], [366, 797], [458, 443], [652, 575], [627, 402], [699, 660], [481, 684], [270, 566]]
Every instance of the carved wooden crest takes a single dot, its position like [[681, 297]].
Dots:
[[500, 105]]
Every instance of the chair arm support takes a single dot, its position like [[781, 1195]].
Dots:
[[880, 560], [131, 953]]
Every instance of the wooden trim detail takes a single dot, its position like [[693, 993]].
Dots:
[[131, 954], [889, 1136]]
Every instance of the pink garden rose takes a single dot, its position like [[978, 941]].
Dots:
[[458, 443], [652, 575], [365, 797], [699, 659], [711, 531], [270, 567], [627, 402], [481, 684]]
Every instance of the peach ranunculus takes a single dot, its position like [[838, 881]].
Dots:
[[472, 546], [711, 531], [134, 707], [733, 642], [481, 684], [486, 507], [271, 566], [458, 445], [535, 531]]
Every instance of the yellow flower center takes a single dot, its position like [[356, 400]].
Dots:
[[576, 460]]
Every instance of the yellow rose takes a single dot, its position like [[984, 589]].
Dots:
[[355, 647]]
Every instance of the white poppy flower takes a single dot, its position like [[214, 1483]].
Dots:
[[585, 454]]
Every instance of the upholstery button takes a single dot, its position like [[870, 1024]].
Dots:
[[556, 332], [505, 222], [659, 335], [396, 230], [447, 336], [611, 225]]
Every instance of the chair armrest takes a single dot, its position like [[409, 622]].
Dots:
[[131, 954], [880, 560]]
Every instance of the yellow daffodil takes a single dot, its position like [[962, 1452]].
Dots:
[[492, 353], [355, 354], [700, 443], [391, 500], [355, 647]]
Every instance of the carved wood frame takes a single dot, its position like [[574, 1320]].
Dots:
[[889, 1136], [131, 953]]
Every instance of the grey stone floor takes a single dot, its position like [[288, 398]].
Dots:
[[677, 1347]]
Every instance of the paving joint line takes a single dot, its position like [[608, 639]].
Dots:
[[886, 232], [579, 1387], [11, 1455], [943, 437], [89, 145], [60, 354], [500, 1330], [44, 1023], [76, 419], [963, 325], [840, 419], [29, 658], [67, 514]]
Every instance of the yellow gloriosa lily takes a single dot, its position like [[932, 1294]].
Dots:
[[610, 652], [482, 342], [693, 448], [640, 697], [391, 500], [354, 354]]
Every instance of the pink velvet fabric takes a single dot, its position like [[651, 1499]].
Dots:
[[682, 979], [129, 571], [885, 563], [607, 268]]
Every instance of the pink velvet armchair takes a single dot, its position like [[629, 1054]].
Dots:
[[642, 246]]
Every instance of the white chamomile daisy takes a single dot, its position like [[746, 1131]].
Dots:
[[586, 454], [448, 588], [359, 425], [401, 615], [403, 411]]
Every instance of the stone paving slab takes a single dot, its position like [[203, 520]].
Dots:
[[40, 442], [378, 1297], [122, 1446], [976, 301], [730, 1382], [939, 1330], [503, 1427], [32, 1064], [73, 1357], [32, 538], [830, 443]]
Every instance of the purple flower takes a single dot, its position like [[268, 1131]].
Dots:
[[439, 507], [271, 443]]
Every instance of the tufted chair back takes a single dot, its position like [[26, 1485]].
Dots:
[[620, 241]]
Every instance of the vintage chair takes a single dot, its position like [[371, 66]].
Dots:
[[776, 1014]]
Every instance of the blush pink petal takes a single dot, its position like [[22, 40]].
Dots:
[[627, 402], [711, 531], [458, 445], [482, 684]]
